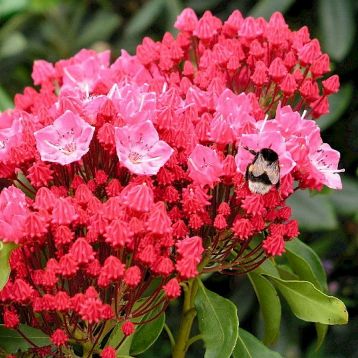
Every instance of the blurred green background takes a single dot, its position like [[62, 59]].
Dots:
[[54, 29]]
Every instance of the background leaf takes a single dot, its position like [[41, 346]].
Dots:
[[218, 322], [5, 100], [265, 8], [312, 213], [337, 27], [101, 26], [338, 103], [144, 17]]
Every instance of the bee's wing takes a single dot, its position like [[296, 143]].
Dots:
[[259, 166], [273, 172]]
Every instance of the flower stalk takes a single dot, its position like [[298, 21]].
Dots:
[[186, 320]]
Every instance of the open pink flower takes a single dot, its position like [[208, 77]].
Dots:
[[321, 163], [10, 134], [133, 103], [205, 167], [140, 150], [66, 140]]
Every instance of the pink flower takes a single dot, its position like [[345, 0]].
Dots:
[[10, 134], [13, 214], [82, 75], [204, 165], [323, 163], [140, 150], [134, 104], [66, 140]]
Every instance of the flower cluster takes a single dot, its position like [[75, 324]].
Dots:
[[135, 171]]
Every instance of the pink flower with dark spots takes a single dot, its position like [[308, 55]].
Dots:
[[66, 141], [205, 166], [323, 164], [140, 150]]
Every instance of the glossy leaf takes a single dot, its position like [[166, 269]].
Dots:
[[268, 267], [5, 252], [337, 25], [269, 304], [145, 335], [144, 18], [11, 341], [310, 304], [338, 103], [248, 346], [313, 213], [306, 263], [266, 8], [218, 322]]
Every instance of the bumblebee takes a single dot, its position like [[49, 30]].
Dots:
[[264, 171]]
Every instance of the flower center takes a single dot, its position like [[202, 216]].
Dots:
[[68, 148], [135, 157]]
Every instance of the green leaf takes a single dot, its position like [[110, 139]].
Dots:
[[313, 213], [5, 269], [144, 18], [248, 346], [99, 28], [306, 263], [11, 341], [146, 335], [337, 25], [338, 103], [266, 8], [268, 267], [218, 322], [269, 304], [286, 272], [5, 100], [310, 304], [345, 200]]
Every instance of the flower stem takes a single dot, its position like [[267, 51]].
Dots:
[[186, 321]]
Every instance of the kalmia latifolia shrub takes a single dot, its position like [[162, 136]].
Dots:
[[126, 179]]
